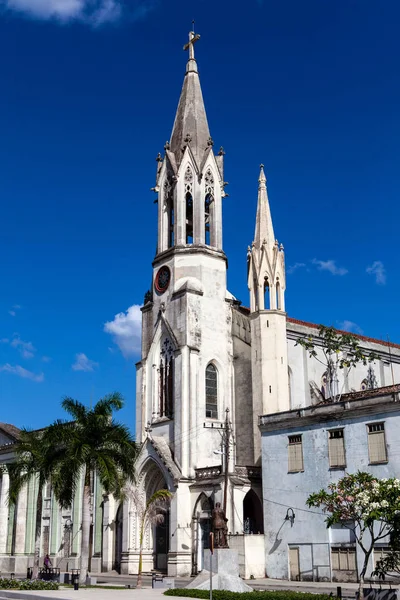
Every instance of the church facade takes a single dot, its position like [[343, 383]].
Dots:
[[209, 369]]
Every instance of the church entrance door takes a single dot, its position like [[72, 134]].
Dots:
[[118, 539], [204, 528], [161, 544]]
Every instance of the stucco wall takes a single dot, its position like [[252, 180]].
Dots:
[[283, 490]]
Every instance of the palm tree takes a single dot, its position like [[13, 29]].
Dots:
[[35, 459], [93, 443], [153, 513]]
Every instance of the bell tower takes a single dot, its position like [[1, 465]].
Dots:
[[186, 329], [190, 177], [267, 284]]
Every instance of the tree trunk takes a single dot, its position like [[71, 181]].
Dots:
[[84, 561], [139, 577], [362, 575], [38, 531]]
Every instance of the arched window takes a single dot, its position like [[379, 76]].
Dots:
[[278, 295], [189, 205], [207, 219], [208, 207], [171, 222], [189, 218], [211, 392], [266, 294], [166, 381]]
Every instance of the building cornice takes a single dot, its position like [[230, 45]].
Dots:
[[190, 250], [332, 411]]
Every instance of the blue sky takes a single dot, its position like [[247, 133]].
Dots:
[[89, 93]]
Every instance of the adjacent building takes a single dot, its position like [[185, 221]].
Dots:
[[305, 450]]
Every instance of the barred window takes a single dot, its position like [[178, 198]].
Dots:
[[337, 456], [295, 454], [377, 443], [211, 392], [343, 559], [380, 554]]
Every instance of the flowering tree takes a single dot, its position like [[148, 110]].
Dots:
[[339, 351], [150, 513], [365, 504]]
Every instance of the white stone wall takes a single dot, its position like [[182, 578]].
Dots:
[[283, 490]]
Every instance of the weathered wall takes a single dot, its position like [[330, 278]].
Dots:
[[283, 490]]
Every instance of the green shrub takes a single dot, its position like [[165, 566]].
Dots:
[[255, 595], [27, 584]]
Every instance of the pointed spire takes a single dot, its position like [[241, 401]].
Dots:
[[190, 126], [264, 229]]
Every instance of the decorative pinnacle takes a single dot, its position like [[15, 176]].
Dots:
[[221, 152], [166, 145], [262, 179], [159, 158]]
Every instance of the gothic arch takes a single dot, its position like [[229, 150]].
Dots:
[[201, 527], [152, 478], [252, 513]]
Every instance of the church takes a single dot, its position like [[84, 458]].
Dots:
[[210, 368]]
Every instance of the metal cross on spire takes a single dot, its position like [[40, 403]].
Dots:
[[193, 37]]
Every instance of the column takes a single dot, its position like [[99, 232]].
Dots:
[[5, 484], [20, 529]]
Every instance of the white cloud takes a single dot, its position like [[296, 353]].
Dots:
[[91, 12], [126, 329], [83, 363], [13, 310], [378, 270], [329, 265], [46, 359], [26, 349], [350, 326], [21, 372], [294, 267]]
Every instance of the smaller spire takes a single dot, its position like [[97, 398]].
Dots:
[[262, 180], [264, 233]]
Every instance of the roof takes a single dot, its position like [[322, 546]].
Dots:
[[10, 430], [365, 338], [363, 394], [190, 126]]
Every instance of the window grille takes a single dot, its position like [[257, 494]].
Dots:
[[343, 559], [211, 392], [295, 454], [377, 443], [337, 456]]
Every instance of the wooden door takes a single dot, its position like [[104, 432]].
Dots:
[[294, 564]]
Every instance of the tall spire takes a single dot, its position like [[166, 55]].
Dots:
[[190, 126], [264, 229]]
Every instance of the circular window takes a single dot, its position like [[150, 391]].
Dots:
[[162, 280]]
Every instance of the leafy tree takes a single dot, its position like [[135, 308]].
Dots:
[[93, 443], [35, 459], [151, 513], [391, 562], [339, 351], [365, 504]]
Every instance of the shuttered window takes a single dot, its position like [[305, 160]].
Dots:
[[337, 456], [377, 443], [343, 559], [295, 454], [380, 554]]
